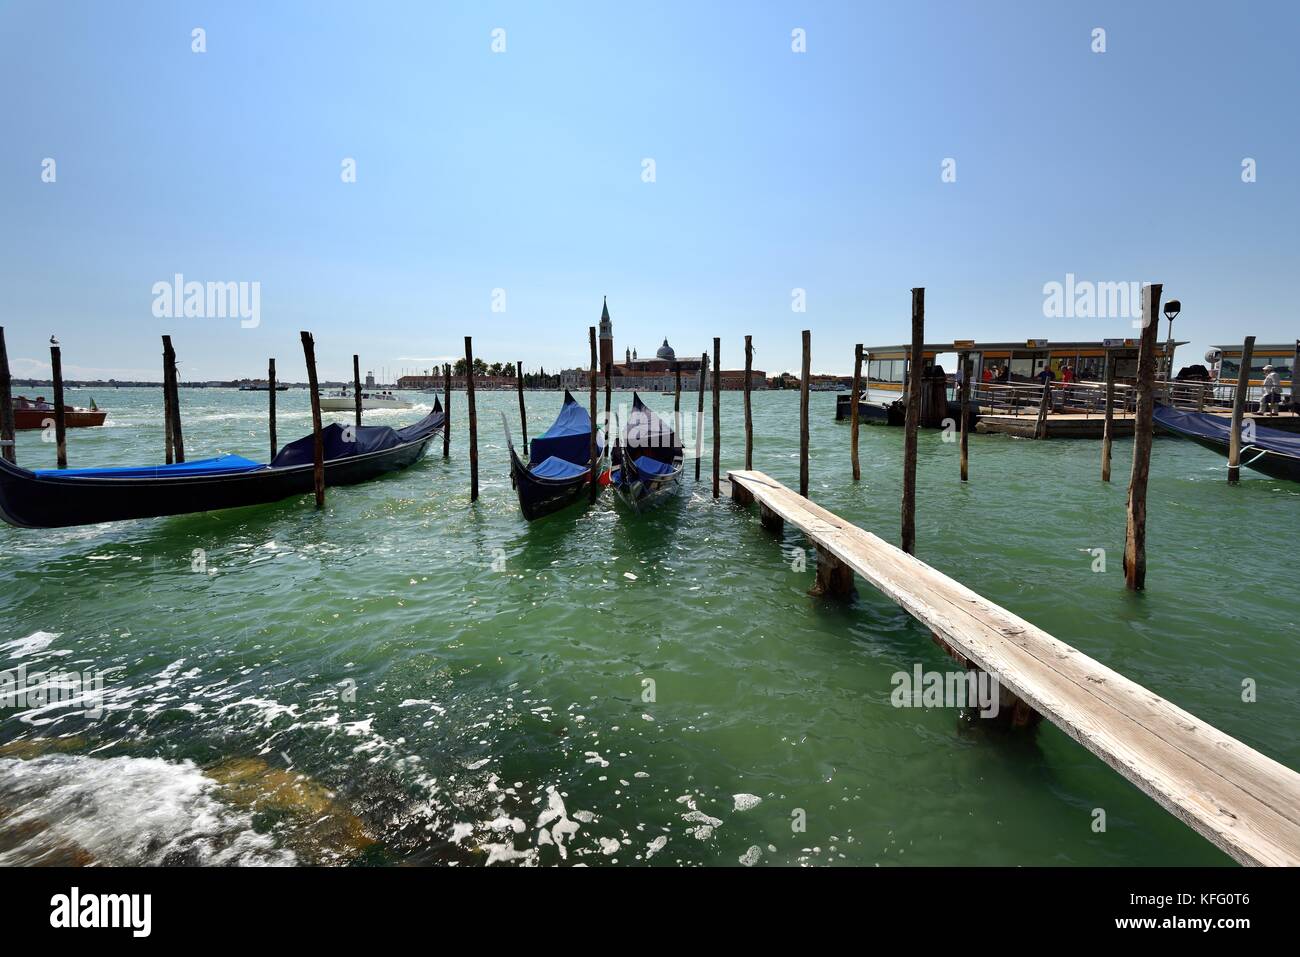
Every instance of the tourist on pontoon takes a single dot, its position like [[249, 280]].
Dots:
[[1272, 397]]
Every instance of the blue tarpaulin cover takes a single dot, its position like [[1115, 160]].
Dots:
[[557, 468], [649, 466], [568, 439], [367, 438], [1217, 428], [220, 465]]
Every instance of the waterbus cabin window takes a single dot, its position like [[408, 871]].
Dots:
[[1091, 369]]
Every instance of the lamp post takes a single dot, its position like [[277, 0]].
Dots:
[[1172, 308]]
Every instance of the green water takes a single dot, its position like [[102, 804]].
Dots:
[[499, 668]]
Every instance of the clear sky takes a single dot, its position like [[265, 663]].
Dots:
[[523, 171]]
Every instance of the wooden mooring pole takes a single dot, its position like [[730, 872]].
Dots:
[[749, 410], [1044, 406], [167, 419], [717, 426], [1135, 540], [270, 391], [609, 386], [172, 387], [318, 443], [595, 368], [523, 412], [967, 368], [912, 418], [699, 417], [446, 410], [677, 401], [7, 430], [60, 426], [473, 418], [805, 372], [1239, 410], [1108, 425], [356, 386], [855, 397]]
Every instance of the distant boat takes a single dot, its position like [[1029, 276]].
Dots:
[[558, 471], [1270, 451], [59, 498], [263, 387], [344, 401], [647, 466], [33, 414]]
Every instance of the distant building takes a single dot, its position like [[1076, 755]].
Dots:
[[651, 375]]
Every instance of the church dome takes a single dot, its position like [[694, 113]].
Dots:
[[666, 352]]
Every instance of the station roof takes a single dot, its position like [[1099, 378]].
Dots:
[[1024, 345], [1235, 350]]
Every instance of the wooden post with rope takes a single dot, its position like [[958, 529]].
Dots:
[[270, 388], [318, 443], [749, 410], [595, 470], [473, 419], [805, 372], [7, 429], [855, 397], [915, 368], [1135, 539], [1239, 410]]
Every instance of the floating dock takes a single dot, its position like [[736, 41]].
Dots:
[[1078, 425], [1057, 425], [1246, 804]]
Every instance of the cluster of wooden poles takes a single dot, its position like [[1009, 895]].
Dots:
[[1135, 540], [1135, 534]]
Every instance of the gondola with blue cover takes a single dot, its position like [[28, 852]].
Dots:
[[1270, 451], [646, 467], [558, 471], [59, 498]]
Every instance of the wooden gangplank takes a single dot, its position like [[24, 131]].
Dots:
[[1245, 803]]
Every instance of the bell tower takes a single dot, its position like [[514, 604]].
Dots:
[[606, 340]]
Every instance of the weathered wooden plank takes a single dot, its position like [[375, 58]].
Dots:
[[1242, 801]]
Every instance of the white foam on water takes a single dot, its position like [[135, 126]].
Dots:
[[746, 802], [125, 812], [36, 641]]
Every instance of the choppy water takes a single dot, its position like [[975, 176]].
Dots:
[[406, 679]]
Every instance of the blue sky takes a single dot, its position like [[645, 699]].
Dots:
[[522, 171]]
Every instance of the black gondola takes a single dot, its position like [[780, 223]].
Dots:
[[558, 470], [58, 498], [647, 465], [1270, 451]]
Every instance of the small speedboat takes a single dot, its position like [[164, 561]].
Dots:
[[34, 414], [345, 401]]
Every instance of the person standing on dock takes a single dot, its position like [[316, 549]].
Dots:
[[1272, 397], [1045, 375]]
